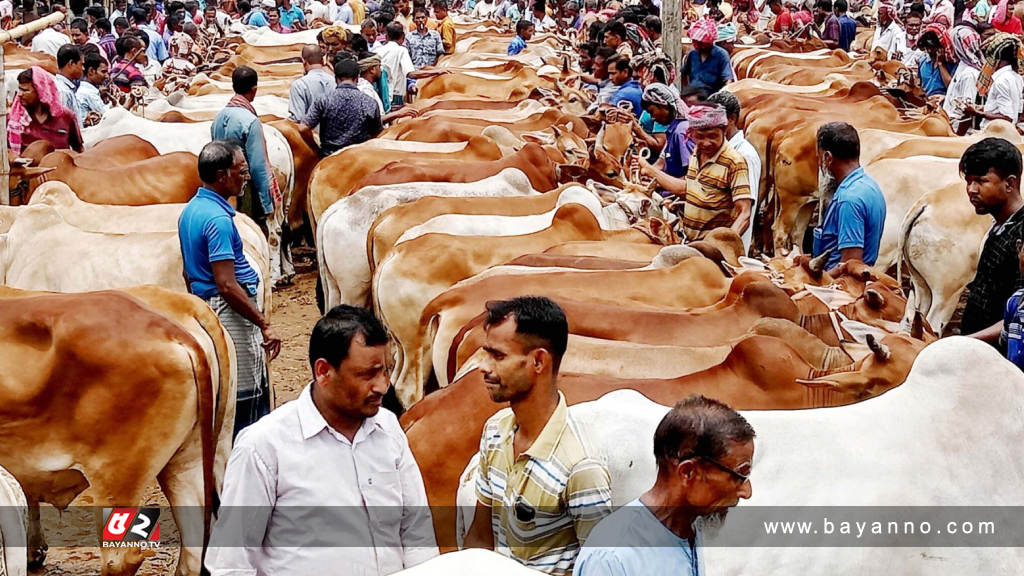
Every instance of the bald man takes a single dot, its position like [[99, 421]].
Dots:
[[314, 84]]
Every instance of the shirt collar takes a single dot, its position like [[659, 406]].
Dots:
[[1011, 221], [851, 178], [544, 446], [737, 138], [205, 192], [312, 422]]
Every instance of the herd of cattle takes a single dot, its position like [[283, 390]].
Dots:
[[505, 185]]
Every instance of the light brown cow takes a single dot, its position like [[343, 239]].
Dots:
[[166, 179]]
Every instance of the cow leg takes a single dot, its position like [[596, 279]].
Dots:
[[113, 492], [784, 227], [182, 483], [37, 547]]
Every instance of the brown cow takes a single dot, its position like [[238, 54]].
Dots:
[[306, 154], [166, 179], [520, 84], [447, 127]]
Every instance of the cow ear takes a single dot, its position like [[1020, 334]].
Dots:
[[593, 123]]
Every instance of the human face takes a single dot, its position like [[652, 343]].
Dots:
[[210, 15], [711, 488], [121, 5], [661, 114], [402, 7], [913, 26], [440, 12], [234, 178], [618, 77], [98, 76], [612, 40], [884, 20], [827, 184], [273, 16], [420, 19], [28, 94], [355, 388], [701, 46], [509, 370], [600, 68], [989, 193], [586, 62], [988, 34], [370, 31], [78, 37], [528, 33], [332, 46], [120, 30], [775, 8], [708, 140]]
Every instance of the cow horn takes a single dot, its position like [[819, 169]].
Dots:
[[917, 328], [874, 298], [817, 265], [881, 351]]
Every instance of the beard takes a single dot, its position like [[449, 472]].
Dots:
[[711, 524], [827, 184]]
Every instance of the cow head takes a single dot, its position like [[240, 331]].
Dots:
[[885, 367], [879, 305], [23, 180], [853, 276], [572, 146], [794, 272]]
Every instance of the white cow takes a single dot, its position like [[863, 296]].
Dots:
[[181, 102], [43, 252], [13, 526], [341, 236], [184, 137], [947, 437]]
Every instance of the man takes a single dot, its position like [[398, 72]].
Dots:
[[524, 31], [425, 46], [629, 90], [313, 85], [737, 140], [615, 35], [107, 38], [157, 49], [216, 271], [396, 60], [704, 451], [120, 10], [403, 13], [89, 100], [992, 170], [652, 24], [914, 53], [852, 227], [783, 18], [239, 121], [571, 17], [847, 25], [49, 41], [445, 26], [888, 34], [370, 74], [716, 191], [342, 12], [345, 116], [79, 32], [934, 69], [1000, 81], [541, 488], [484, 9], [828, 23], [69, 73], [539, 17], [291, 15], [662, 105], [707, 65], [332, 459], [332, 40]]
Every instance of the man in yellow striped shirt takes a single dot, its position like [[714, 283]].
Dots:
[[541, 487]]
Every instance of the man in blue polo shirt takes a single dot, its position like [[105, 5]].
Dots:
[[629, 90], [855, 217], [217, 272], [707, 65]]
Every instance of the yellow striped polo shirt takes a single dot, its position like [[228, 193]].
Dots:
[[712, 188], [544, 503]]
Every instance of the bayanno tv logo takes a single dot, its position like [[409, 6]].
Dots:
[[131, 528]]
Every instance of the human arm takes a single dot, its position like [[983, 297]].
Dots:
[[990, 334], [944, 72], [405, 112], [247, 500], [417, 526], [314, 114], [742, 198], [676, 186], [75, 140], [481, 533], [588, 496], [744, 208], [845, 255], [238, 299], [298, 104], [653, 141], [259, 167]]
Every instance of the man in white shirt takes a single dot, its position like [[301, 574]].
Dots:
[[88, 94], [120, 10], [734, 136], [540, 19], [888, 34], [317, 9], [341, 12], [314, 84], [483, 9], [397, 61], [1003, 91], [69, 74], [326, 484], [49, 41]]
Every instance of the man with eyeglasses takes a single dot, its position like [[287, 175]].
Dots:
[[704, 451]]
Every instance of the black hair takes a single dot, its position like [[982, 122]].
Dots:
[[332, 335], [917, 8], [698, 426], [1009, 54], [173, 20], [420, 9], [142, 37], [621, 63], [841, 6], [174, 7], [981, 27], [88, 49], [124, 44], [93, 61], [617, 28], [727, 100], [539, 5], [440, 4], [700, 93], [840, 139], [96, 11], [929, 39], [364, 54], [217, 156], [523, 26], [81, 25], [770, 2], [121, 21], [68, 54], [395, 30], [825, 5], [653, 23], [345, 68], [993, 154], [605, 52], [103, 25], [539, 320], [359, 43], [244, 79], [139, 14], [25, 76], [244, 7]]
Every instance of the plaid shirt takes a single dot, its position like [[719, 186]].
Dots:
[[545, 502], [998, 276], [345, 116], [425, 49]]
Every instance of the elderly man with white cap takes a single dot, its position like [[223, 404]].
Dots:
[[716, 190]]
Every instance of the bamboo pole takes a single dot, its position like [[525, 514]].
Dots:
[[16, 32], [672, 32]]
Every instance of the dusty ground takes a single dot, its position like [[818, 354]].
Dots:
[[293, 315]]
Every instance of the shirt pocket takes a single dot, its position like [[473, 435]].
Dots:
[[384, 503]]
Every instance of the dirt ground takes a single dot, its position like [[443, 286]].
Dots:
[[293, 316]]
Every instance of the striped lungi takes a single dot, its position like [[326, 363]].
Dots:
[[253, 396]]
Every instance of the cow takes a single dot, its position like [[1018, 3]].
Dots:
[[760, 373], [204, 108], [422, 268], [59, 418], [165, 179], [486, 85], [13, 526], [343, 236], [336, 176], [447, 127]]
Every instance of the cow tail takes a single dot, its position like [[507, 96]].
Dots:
[[922, 291], [324, 273], [204, 389]]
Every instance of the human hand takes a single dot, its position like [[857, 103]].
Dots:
[[271, 343]]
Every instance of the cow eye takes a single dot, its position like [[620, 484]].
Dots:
[[612, 174]]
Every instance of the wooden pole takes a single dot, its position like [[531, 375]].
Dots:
[[16, 32], [672, 33]]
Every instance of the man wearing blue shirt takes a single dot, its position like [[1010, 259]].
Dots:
[[855, 217], [157, 49], [217, 272], [524, 31], [706, 66], [629, 90], [704, 451], [847, 25]]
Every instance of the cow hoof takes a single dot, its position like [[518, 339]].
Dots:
[[37, 556], [286, 280]]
